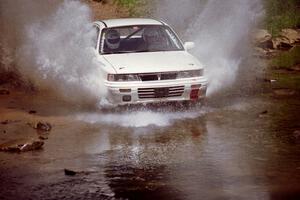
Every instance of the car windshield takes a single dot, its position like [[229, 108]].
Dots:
[[133, 39]]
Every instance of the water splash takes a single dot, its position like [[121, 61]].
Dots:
[[220, 30], [139, 119], [53, 47]]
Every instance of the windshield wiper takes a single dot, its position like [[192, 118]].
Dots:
[[120, 52], [132, 34]]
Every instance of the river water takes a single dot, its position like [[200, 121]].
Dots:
[[243, 147]]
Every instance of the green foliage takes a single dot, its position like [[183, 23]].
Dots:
[[136, 8], [129, 4], [281, 14], [287, 59]]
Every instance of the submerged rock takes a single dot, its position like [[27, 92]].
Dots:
[[43, 137], [41, 126], [284, 92], [35, 145], [5, 122], [32, 112], [296, 68], [296, 135], [263, 113], [69, 172], [4, 92], [22, 147]]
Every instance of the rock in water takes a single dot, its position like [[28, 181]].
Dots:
[[32, 112], [40, 126], [28, 146], [70, 172], [296, 135], [284, 92], [4, 92], [35, 145], [43, 126]]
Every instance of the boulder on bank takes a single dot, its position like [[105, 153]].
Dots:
[[261, 36], [287, 39], [281, 43], [292, 35], [267, 45]]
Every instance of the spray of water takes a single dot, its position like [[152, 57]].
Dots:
[[50, 43], [139, 119], [220, 29]]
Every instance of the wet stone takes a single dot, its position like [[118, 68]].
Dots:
[[296, 67], [296, 134], [284, 92], [41, 126], [69, 172], [4, 92], [263, 113], [43, 137], [5, 122], [23, 147], [32, 112]]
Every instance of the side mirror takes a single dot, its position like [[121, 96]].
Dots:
[[189, 45]]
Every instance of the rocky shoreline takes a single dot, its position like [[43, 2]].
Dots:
[[267, 46]]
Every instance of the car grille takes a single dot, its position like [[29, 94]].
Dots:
[[146, 93], [158, 76]]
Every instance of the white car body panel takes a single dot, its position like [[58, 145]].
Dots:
[[149, 62], [179, 89], [130, 22]]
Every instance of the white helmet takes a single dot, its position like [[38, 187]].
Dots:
[[151, 35], [112, 39]]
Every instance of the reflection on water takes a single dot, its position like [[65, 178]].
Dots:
[[230, 152]]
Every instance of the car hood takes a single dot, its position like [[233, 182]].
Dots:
[[149, 62]]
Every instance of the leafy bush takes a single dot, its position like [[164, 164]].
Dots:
[[136, 8], [287, 59], [281, 14], [129, 4]]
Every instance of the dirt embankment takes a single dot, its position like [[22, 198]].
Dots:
[[106, 9]]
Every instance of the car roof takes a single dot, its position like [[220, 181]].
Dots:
[[129, 22]]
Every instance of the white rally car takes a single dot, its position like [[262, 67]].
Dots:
[[145, 62]]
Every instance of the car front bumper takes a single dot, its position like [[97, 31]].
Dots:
[[188, 89]]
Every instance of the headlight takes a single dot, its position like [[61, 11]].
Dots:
[[190, 74], [122, 77]]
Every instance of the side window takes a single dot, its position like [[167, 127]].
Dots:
[[95, 39]]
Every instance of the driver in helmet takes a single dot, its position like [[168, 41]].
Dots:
[[112, 39], [153, 38]]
